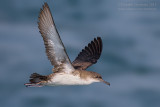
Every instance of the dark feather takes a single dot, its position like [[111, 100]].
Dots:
[[89, 55], [35, 78]]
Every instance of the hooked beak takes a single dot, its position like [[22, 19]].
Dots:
[[105, 82]]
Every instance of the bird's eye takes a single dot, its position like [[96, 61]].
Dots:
[[98, 77]]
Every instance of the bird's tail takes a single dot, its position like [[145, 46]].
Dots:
[[36, 80]]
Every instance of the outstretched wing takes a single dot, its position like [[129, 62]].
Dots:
[[54, 47], [89, 55]]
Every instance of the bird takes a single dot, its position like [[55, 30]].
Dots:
[[64, 71]]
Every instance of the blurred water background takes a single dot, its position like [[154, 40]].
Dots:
[[130, 60]]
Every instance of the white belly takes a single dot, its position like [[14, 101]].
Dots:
[[68, 79]]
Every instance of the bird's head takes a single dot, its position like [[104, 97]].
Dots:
[[97, 78]]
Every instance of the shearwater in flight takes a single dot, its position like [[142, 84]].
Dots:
[[65, 72]]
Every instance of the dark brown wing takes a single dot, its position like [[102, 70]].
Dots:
[[89, 55]]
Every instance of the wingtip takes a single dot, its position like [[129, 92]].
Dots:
[[45, 5], [98, 38]]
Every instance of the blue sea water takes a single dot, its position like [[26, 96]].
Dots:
[[130, 61]]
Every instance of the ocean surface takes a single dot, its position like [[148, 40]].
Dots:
[[130, 61]]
